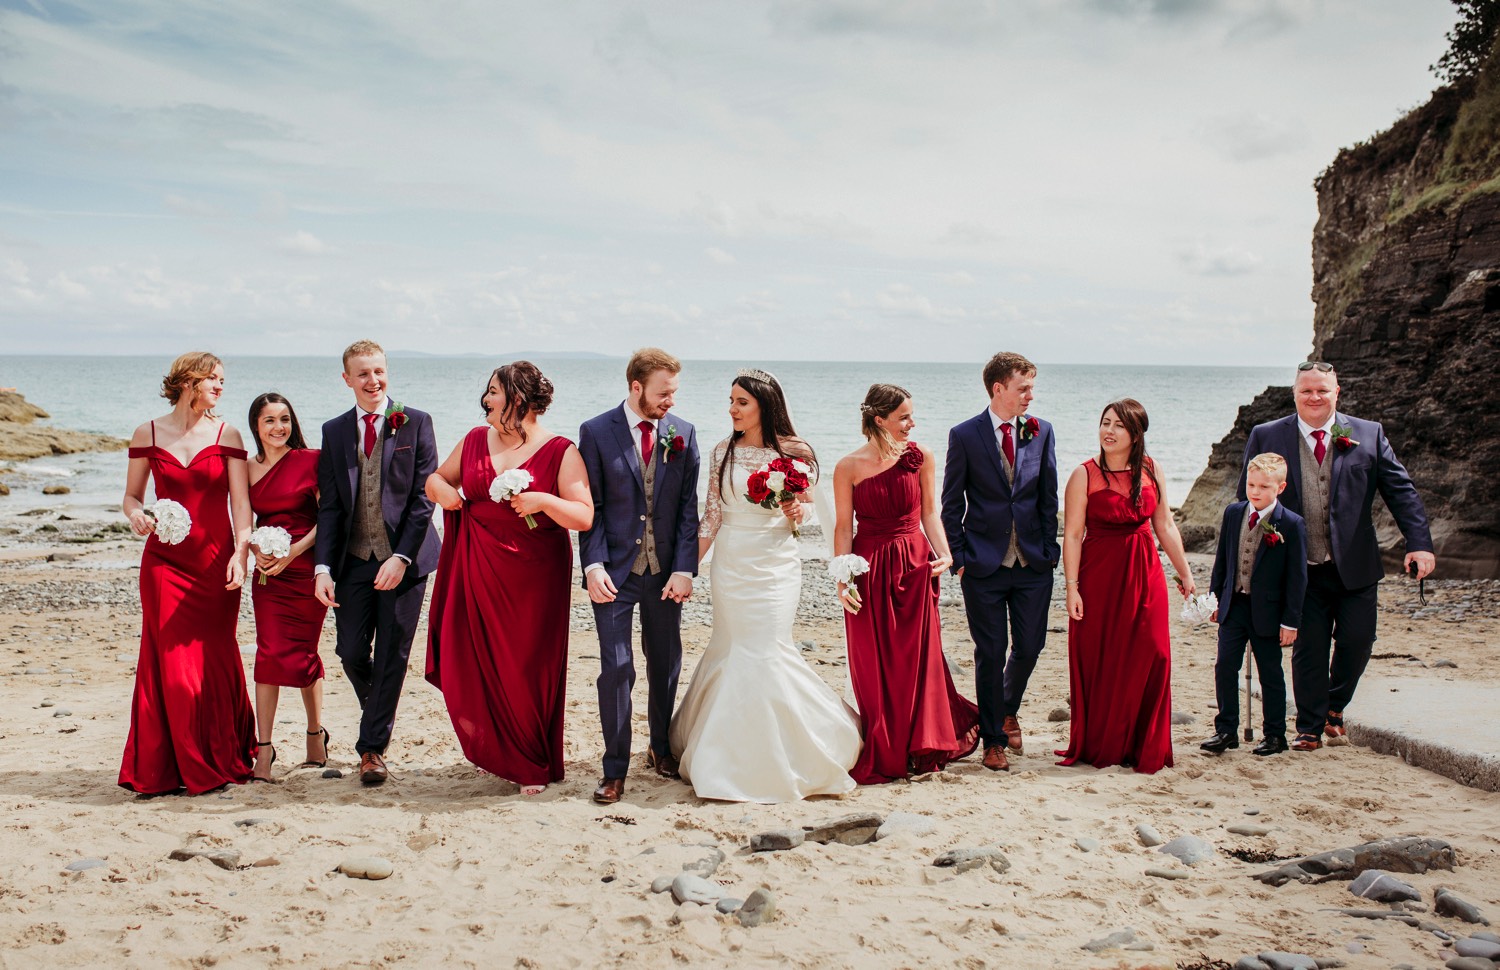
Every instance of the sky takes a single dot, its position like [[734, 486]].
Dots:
[[1081, 181]]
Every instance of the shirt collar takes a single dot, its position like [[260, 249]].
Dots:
[[996, 422], [1265, 513], [379, 412], [1308, 429], [633, 419]]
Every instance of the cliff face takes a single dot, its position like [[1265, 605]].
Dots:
[[20, 439], [1406, 278]]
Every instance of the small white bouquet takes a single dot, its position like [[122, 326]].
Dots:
[[271, 540], [1200, 608], [510, 483], [844, 568], [172, 521]]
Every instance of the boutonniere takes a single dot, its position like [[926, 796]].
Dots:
[[1341, 438], [395, 416], [1269, 534], [1030, 428], [672, 444]]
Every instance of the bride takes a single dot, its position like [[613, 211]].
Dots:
[[756, 724]]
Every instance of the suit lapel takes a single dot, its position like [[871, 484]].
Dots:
[[627, 447], [1234, 554], [985, 428], [1336, 455], [1260, 547], [1291, 445], [352, 452], [387, 449]]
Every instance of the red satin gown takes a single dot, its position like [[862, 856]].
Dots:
[[912, 717], [1120, 653], [288, 617], [497, 629], [191, 725]]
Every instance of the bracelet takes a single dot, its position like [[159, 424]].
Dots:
[[1070, 582]]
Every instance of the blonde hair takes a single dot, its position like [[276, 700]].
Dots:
[[881, 401], [647, 361], [185, 373], [1270, 464], [361, 348]]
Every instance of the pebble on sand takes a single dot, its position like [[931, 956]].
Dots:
[[1113, 941], [223, 858], [1188, 848], [759, 907], [1448, 903], [1148, 836], [777, 841], [1382, 887], [367, 867], [962, 860], [81, 865], [1059, 714], [332, 773]]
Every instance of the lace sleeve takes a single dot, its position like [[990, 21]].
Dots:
[[713, 511]]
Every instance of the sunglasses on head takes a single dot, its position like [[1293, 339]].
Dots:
[[1316, 365]]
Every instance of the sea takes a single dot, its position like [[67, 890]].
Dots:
[[1190, 408]]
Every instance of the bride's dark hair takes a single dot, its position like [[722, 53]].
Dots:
[[776, 429]]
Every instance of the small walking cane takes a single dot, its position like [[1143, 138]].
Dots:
[[1249, 715]]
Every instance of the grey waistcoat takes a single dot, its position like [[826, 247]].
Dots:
[[1315, 500], [368, 538]]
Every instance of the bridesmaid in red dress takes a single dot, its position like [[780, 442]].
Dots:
[[913, 719], [1119, 651], [288, 617], [497, 629], [190, 721]]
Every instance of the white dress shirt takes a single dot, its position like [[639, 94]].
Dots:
[[1015, 429], [1307, 432]]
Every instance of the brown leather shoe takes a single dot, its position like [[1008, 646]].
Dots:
[[994, 758], [610, 790], [372, 770], [1335, 730], [1013, 734], [665, 764]]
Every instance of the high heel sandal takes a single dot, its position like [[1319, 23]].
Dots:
[[264, 744], [318, 764]]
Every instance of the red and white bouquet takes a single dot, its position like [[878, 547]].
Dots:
[[779, 480]]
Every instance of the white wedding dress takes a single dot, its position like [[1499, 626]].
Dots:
[[757, 724]]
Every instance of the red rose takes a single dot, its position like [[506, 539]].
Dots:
[[796, 482], [678, 444], [1344, 443], [1273, 538], [397, 420], [911, 458], [757, 491]]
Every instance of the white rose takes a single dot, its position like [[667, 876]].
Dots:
[[776, 481], [802, 466]]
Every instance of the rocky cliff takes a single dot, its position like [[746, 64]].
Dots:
[[1406, 279], [21, 438]]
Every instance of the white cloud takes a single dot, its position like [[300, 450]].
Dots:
[[1220, 261], [719, 256], [304, 243]]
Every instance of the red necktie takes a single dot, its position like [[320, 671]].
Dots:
[[646, 428], [1007, 444], [1320, 449], [369, 434], [1254, 518]]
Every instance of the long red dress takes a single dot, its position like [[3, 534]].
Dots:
[[288, 617], [1120, 653], [497, 630], [912, 717], [191, 725]]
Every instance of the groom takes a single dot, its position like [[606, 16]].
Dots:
[[1000, 514], [376, 542], [642, 464]]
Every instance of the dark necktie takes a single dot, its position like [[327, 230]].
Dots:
[[646, 428], [1254, 518], [369, 435], [1007, 444], [1319, 449]]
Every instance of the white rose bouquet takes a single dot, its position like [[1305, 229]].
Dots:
[[508, 484], [844, 568], [271, 540], [1200, 608], [172, 521]]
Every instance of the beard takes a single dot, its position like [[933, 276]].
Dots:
[[649, 411]]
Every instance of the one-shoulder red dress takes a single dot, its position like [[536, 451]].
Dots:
[[288, 617], [191, 725]]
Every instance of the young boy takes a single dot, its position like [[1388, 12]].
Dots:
[[376, 543], [1260, 577]]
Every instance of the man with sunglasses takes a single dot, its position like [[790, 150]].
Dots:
[[1336, 464]]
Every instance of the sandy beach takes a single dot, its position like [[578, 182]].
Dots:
[[483, 877]]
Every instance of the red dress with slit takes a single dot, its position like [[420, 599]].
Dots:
[[191, 725], [288, 617], [1120, 653]]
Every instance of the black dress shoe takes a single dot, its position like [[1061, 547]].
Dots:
[[1273, 744], [1220, 743]]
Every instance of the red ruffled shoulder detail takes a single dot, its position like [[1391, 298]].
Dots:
[[912, 457]]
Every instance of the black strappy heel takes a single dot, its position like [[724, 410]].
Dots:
[[264, 744], [318, 764]]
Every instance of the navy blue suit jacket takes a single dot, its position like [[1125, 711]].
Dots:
[[1357, 474], [1278, 578], [614, 469], [408, 455], [980, 506]]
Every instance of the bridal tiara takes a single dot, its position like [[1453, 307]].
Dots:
[[759, 375]]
